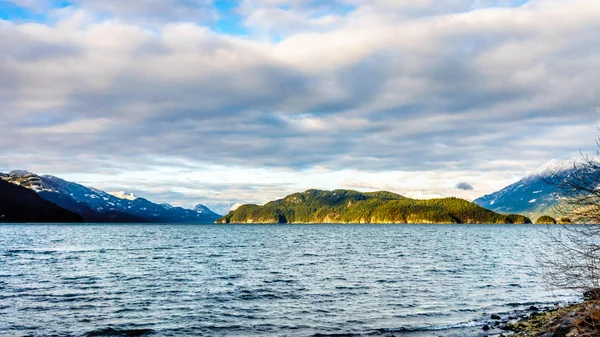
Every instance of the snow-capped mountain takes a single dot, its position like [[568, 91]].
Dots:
[[202, 209], [98, 206], [531, 196]]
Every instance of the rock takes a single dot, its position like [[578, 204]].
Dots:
[[486, 328], [533, 308], [494, 316], [573, 333], [567, 321], [563, 330], [592, 295]]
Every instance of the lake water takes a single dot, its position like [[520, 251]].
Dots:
[[282, 280]]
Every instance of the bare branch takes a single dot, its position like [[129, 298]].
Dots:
[[572, 258]]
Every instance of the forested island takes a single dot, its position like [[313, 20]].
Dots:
[[346, 206]]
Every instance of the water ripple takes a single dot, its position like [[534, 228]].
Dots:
[[175, 280]]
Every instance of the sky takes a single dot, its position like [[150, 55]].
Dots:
[[220, 102]]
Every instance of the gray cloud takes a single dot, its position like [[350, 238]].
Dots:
[[464, 186]]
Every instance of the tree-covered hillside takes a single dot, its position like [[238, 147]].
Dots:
[[344, 206]]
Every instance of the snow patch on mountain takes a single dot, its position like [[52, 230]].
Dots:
[[123, 195], [556, 166], [28, 180], [19, 173]]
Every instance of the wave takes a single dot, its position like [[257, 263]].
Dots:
[[404, 329], [120, 332], [29, 251], [469, 324]]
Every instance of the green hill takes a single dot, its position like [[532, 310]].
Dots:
[[344, 206], [546, 220]]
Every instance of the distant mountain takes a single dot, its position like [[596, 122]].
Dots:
[[98, 206], [69, 196], [221, 207], [19, 204], [344, 206], [531, 196], [203, 209]]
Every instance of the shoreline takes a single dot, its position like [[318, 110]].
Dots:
[[500, 326], [567, 320], [578, 319]]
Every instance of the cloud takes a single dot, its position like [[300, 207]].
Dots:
[[221, 186], [193, 10], [141, 11], [464, 186], [373, 86]]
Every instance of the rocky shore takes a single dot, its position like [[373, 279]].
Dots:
[[581, 319]]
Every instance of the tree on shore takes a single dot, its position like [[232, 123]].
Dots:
[[572, 258]]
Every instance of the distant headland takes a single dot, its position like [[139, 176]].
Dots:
[[352, 207]]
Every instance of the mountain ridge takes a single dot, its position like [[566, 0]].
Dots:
[[95, 205], [20, 204]]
